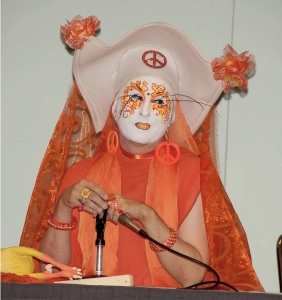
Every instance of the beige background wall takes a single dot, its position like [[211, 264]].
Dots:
[[36, 75]]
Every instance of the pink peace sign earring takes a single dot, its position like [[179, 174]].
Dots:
[[167, 153]]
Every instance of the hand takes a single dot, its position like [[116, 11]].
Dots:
[[94, 203], [134, 209]]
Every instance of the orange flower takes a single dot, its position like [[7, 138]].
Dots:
[[232, 68], [78, 30]]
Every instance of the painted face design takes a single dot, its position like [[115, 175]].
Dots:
[[143, 109]]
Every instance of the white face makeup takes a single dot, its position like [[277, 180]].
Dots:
[[143, 109]]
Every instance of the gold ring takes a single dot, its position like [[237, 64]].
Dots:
[[85, 193]]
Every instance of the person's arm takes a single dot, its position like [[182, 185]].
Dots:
[[191, 241], [57, 243]]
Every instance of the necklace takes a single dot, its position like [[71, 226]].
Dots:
[[137, 156]]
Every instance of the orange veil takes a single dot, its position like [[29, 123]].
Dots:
[[74, 139]]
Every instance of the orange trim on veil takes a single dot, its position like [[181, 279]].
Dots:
[[73, 140]]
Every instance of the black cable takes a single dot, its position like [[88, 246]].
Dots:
[[214, 282]]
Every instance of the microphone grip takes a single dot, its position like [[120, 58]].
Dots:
[[126, 221]]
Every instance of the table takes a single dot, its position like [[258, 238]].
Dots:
[[67, 291]]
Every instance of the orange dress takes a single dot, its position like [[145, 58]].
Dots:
[[131, 254]]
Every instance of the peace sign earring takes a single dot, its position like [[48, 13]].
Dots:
[[167, 153], [112, 141]]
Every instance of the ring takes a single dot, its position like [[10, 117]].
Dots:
[[114, 205], [82, 201], [85, 193]]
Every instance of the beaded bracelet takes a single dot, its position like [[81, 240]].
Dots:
[[62, 226], [169, 243]]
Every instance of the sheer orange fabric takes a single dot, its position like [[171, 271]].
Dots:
[[73, 140], [74, 133], [228, 245]]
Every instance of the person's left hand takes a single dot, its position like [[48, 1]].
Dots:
[[122, 205]]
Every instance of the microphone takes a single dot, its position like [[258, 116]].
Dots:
[[126, 221]]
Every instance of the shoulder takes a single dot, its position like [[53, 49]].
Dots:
[[84, 164], [78, 170]]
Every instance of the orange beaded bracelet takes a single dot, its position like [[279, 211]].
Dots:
[[62, 226], [169, 243]]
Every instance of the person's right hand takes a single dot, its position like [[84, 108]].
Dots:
[[95, 202]]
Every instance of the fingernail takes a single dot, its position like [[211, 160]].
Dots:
[[105, 205]]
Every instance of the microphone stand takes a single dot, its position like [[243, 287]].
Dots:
[[121, 280], [99, 278], [100, 242]]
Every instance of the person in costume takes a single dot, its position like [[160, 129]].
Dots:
[[147, 94]]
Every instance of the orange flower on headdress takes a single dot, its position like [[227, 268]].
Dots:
[[232, 68], [78, 30]]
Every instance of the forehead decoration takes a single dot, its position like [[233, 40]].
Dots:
[[154, 59]]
